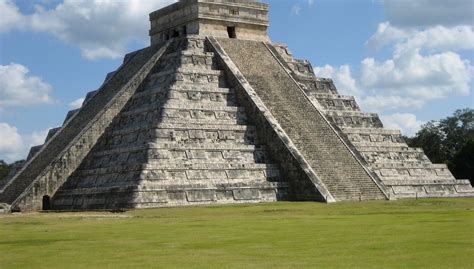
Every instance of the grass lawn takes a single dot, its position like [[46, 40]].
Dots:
[[434, 233]]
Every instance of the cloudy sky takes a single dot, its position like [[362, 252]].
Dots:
[[410, 61]]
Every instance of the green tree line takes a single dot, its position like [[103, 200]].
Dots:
[[450, 141], [4, 169]]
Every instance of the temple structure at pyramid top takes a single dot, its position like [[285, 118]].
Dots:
[[219, 18], [213, 112]]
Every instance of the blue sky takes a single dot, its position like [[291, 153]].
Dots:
[[410, 61]]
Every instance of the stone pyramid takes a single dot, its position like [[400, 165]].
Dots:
[[213, 112]]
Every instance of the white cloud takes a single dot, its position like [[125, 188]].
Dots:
[[11, 16], [424, 66], [10, 141], [37, 138], [415, 75], [18, 88], [406, 122], [387, 102], [425, 37], [342, 77], [437, 38], [295, 10], [404, 81], [411, 13], [100, 28], [76, 103], [14, 146], [385, 35]]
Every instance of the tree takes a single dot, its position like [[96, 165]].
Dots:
[[462, 164], [4, 169], [449, 141]]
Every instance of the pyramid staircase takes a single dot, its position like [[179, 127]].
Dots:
[[199, 118], [406, 172], [180, 139], [336, 170]]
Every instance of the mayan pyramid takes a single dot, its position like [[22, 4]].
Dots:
[[214, 112]]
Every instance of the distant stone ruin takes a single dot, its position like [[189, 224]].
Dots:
[[213, 112]]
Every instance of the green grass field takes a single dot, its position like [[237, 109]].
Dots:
[[435, 233]]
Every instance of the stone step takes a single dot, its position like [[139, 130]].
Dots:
[[388, 157], [390, 149], [184, 127], [413, 174], [204, 97], [135, 155], [183, 100], [448, 190], [229, 116], [370, 131], [217, 176], [378, 158], [176, 177], [187, 53], [191, 59], [183, 87], [199, 84], [332, 96], [215, 132], [4, 208], [329, 106], [202, 105], [33, 151], [181, 156], [178, 136], [463, 187], [430, 191], [192, 52], [214, 136], [179, 105], [182, 188], [154, 121], [52, 132], [156, 165], [366, 139], [91, 94], [419, 181], [384, 144], [403, 164], [244, 183], [358, 121], [195, 43], [183, 71], [187, 87], [336, 102], [213, 78], [197, 121], [195, 95], [177, 146], [358, 114], [319, 85], [70, 114]]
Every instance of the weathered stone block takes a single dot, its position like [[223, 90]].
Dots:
[[246, 194], [201, 195]]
